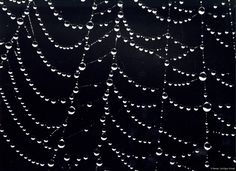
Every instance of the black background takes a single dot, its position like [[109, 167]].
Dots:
[[145, 69]]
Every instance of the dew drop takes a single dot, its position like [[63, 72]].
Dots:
[[8, 45], [96, 152], [114, 51], [51, 163], [61, 143], [120, 14], [207, 164], [4, 57], [66, 157], [35, 44], [207, 146], [114, 66], [206, 107], [90, 25], [82, 66], [109, 82], [202, 76], [120, 4], [71, 110], [164, 95], [99, 162], [20, 21], [201, 10], [159, 151]]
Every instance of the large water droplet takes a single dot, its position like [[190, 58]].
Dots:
[[120, 4], [172, 161], [113, 51], [66, 157], [207, 164], [71, 110], [159, 151], [202, 76], [4, 57], [114, 66], [109, 82], [201, 10], [120, 14], [99, 162], [164, 95], [90, 25], [61, 143], [35, 44], [20, 21], [206, 107], [8, 45], [82, 66], [96, 152], [207, 146], [51, 163]]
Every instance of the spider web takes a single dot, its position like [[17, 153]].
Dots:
[[117, 85]]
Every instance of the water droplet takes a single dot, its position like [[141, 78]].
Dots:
[[120, 4], [206, 107], [4, 57], [87, 47], [104, 136], [117, 28], [167, 63], [66, 23], [35, 44], [20, 21], [207, 146], [99, 162], [201, 10], [94, 7], [71, 110], [109, 82], [51, 163], [82, 66], [96, 152], [168, 35], [164, 95], [89, 104], [66, 157], [172, 161], [120, 14], [76, 74], [207, 164], [159, 151], [61, 143], [90, 25], [114, 66], [8, 45], [202, 76], [114, 51]]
